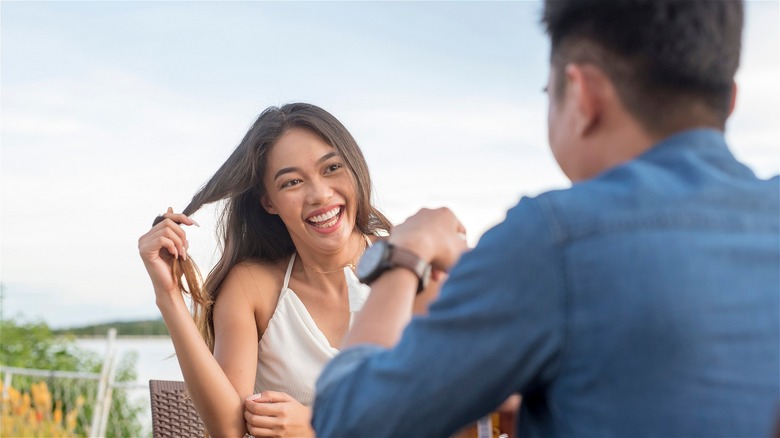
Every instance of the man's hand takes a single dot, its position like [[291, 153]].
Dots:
[[436, 236]]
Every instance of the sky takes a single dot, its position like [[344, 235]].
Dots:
[[112, 111]]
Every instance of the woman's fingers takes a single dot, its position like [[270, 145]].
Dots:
[[165, 241], [168, 223], [169, 245], [260, 420], [164, 238], [177, 235], [179, 218], [261, 432], [272, 396], [277, 414], [259, 424], [171, 224], [166, 229], [265, 409]]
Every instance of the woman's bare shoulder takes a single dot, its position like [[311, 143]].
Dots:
[[255, 277], [256, 284]]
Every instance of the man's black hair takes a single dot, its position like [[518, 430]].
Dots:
[[665, 57]]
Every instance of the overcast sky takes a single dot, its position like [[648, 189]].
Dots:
[[112, 111]]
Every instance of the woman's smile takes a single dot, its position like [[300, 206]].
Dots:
[[312, 190], [326, 220]]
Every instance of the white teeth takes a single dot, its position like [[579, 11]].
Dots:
[[328, 224], [320, 218]]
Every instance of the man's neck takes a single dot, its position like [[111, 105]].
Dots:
[[618, 140]]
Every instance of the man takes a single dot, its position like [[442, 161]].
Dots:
[[642, 301]]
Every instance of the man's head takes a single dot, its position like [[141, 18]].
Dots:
[[671, 63], [660, 54]]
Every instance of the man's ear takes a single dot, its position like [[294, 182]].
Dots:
[[585, 82], [267, 206], [733, 102]]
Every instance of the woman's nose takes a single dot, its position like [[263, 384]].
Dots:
[[319, 192]]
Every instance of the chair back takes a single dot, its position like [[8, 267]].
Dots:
[[173, 414]]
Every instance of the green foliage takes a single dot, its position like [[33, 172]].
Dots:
[[34, 345], [125, 409]]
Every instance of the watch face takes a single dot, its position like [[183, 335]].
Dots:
[[370, 262]]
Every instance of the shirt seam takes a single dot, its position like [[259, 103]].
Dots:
[[560, 240], [667, 222]]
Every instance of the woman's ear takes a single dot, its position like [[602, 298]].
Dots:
[[267, 206]]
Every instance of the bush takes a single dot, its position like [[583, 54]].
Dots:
[[32, 345], [32, 414]]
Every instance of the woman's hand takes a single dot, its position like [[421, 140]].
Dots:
[[164, 242], [276, 414]]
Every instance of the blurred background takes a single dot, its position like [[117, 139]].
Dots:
[[112, 111]]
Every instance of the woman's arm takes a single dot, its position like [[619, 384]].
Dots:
[[217, 383]]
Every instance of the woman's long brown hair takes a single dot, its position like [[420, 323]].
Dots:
[[246, 231]]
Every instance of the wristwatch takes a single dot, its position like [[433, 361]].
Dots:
[[383, 256]]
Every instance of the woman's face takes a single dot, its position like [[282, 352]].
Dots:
[[311, 189]]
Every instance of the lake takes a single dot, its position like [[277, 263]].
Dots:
[[155, 360], [155, 355]]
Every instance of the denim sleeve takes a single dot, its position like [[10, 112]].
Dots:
[[343, 364], [496, 329]]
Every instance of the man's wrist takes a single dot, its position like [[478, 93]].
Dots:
[[384, 256], [401, 279], [417, 247]]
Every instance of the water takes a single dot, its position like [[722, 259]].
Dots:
[[155, 360], [155, 355]]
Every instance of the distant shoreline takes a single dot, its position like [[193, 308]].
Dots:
[[141, 328], [118, 336]]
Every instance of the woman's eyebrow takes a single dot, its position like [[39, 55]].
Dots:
[[325, 157]]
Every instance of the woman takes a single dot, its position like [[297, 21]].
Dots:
[[297, 217]]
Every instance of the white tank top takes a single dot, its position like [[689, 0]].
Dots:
[[293, 350]]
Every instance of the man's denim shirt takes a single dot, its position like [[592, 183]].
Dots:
[[643, 302]]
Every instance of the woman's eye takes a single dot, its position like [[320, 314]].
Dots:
[[333, 167], [291, 183]]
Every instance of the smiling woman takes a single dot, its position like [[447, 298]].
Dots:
[[297, 216], [311, 191]]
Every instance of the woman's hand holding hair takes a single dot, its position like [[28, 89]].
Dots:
[[160, 246], [276, 414]]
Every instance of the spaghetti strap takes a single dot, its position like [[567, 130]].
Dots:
[[293, 350], [289, 271]]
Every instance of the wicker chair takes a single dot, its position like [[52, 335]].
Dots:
[[173, 414]]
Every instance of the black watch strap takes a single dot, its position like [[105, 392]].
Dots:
[[402, 258], [383, 256]]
